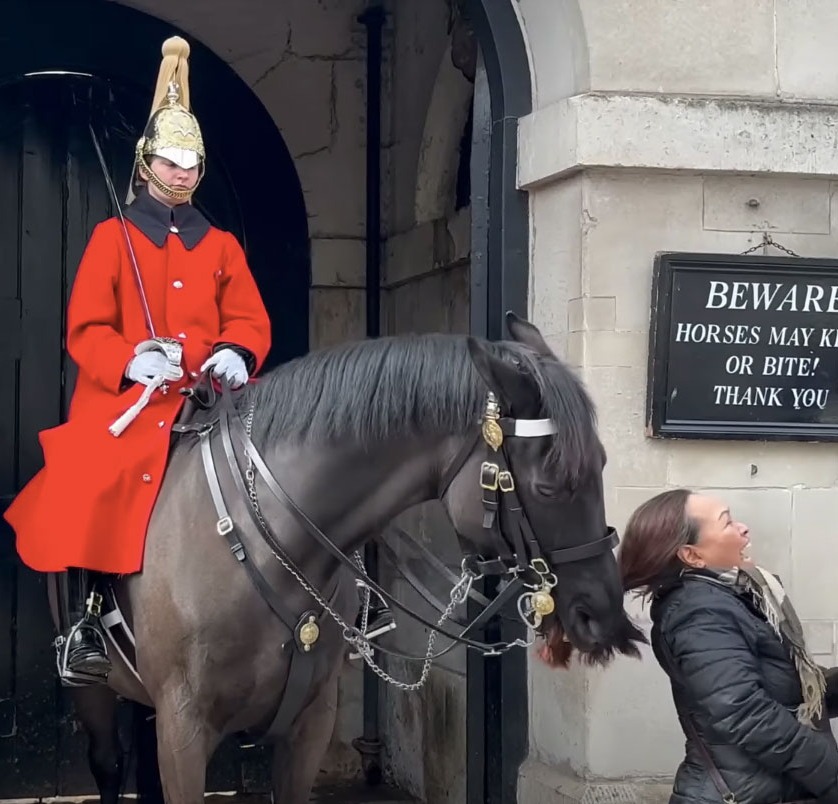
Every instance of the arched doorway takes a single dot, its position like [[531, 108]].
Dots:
[[61, 69]]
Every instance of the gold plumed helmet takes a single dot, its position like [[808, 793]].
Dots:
[[172, 131]]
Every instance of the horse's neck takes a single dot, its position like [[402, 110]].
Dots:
[[353, 493]]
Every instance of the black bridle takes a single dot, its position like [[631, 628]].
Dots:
[[519, 554]]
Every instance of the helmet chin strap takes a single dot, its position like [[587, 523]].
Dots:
[[175, 193]]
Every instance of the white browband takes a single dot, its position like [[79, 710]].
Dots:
[[529, 428]]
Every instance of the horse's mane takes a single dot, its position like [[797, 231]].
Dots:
[[369, 391]]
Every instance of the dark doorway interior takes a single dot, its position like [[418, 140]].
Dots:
[[61, 69]]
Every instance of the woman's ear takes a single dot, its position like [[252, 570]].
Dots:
[[689, 556]]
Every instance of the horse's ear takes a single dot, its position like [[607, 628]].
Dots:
[[528, 334], [515, 390]]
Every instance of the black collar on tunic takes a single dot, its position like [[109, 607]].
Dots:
[[155, 220]]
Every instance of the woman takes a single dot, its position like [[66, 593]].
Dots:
[[749, 697]]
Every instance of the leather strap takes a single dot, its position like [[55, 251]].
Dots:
[[281, 496], [227, 529]]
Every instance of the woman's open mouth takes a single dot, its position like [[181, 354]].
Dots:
[[743, 553]]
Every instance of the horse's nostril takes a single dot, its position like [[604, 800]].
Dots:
[[587, 623]]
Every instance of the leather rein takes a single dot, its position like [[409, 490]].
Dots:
[[519, 554]]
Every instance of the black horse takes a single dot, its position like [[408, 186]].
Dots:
[[246, 598]]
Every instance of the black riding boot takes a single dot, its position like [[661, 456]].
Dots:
[[82, 656]]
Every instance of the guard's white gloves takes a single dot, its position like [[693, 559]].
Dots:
[[148, 365], [228, 364]]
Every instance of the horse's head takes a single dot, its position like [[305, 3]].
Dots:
[[551, 450]]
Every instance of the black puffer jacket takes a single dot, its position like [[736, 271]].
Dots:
[[740, 686]]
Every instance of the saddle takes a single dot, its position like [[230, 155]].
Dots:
[[199, 409]]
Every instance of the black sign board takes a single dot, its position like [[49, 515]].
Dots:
[[743, 347]]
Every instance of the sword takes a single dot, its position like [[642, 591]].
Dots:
[[170, 347], [137, 275]]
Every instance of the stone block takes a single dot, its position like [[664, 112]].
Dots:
[[558, 49], [438, 302], [556, 254], [232, 34], [615, 349], [592, 313], [399, 164], [814, 543], [409, 254], [349, 104], [720, 47], [336, 315], [338, 262], [633, 460], [306, 87], [677, 133], [576, 315], [326, 28], [628, 219], [751, 464], [784, 204], [820, 637], [418, 44], [626, 501], [333, 187], [557, 705], [627, 693], [560, 346], [574, 348], [806, 48]]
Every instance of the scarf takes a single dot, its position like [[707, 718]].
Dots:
[[771, 600]]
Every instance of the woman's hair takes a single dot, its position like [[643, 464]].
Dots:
[[648, 559]]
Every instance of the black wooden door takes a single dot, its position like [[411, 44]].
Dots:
[[52, 193]]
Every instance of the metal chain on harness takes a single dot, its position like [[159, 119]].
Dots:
[[351, 634]]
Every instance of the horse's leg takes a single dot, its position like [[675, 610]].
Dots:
[[96, 709], [185, 742], [298, 760]]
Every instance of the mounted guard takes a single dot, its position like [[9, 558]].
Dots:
[[160, 297]]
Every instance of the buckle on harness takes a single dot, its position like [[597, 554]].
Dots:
[[224, 526], [489, 475], [506, 482]]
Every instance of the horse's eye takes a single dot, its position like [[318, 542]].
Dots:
[[548, 490]]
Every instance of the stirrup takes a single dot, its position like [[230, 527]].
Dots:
[[78, 678], [382, 623]]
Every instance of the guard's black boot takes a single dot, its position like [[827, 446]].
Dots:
[[82, 655]]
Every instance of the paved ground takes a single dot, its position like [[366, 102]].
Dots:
[[360, 793], [349, 793]]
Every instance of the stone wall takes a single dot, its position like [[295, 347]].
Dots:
[[654, 125]]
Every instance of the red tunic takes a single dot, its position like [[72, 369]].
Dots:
[[90, 505]]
